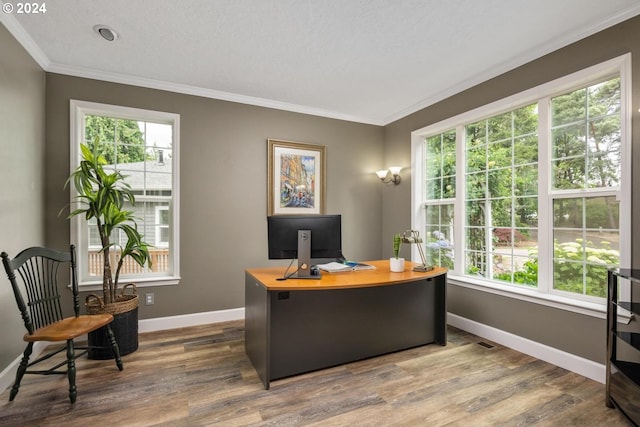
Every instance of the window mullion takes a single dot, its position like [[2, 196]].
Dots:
[[459, 239], [545, 200]]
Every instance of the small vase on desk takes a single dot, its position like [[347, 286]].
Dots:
[[396, 265]]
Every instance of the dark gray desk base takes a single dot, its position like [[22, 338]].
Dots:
[[291, 332]]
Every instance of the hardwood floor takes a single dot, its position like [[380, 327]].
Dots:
[[200, 376]]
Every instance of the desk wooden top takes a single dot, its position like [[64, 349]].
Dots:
[[342, 280]]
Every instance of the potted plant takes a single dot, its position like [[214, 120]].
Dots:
[[396, 264], [101, 195]]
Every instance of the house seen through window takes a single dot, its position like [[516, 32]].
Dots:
[[142, 145]]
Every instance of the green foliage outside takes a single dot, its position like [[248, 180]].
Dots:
[[117, 140], [501, 174], [579, 267], [575, 260]]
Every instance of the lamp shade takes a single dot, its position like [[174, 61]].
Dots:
[[395, 170]]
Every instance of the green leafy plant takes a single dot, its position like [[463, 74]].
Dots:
[[397, 242], [102, 195], [570, 272]]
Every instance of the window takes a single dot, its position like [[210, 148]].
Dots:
[[162, 226], [526, 195], [585, 174], [143, 145], [440, 185], [501, 199]]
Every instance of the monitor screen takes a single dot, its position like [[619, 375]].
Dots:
[[326, 235]]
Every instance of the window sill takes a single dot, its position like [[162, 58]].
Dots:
[[146, 282], [556, 301]]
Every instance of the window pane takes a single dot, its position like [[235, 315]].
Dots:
[[476, 159], [449, 187], [164, 217], [476, 134], [440, 165], [434, 165], [500, 183], [434, 188], [476, 213], [586, 137], [476, 186], [476, 255], [142, 152], [525, 122], [499, 154], [499, 127], [501, 212], [439, 235], [525, 150], [496, 184], [526, 212], [164, 234], [604, 149], [525, 181], [604, 98], [569, 108], [586, 243]]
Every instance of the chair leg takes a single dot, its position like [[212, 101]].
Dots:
[[114, 347], [22, 368], [71, 371]]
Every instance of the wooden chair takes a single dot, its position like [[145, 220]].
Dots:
[[39, 268]]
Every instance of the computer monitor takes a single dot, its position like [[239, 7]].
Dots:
[[305, 237]]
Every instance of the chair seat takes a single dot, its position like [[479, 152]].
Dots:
[[69, 328]]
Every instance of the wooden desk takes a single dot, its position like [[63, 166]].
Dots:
[[300, 325]]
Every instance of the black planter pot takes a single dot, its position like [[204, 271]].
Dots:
[[125, 329]]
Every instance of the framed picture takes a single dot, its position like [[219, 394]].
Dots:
[[296, 178]]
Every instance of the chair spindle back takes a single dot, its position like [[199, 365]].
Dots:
[[40, 273]]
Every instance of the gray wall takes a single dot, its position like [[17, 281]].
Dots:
[[22, 92], [578, 334], [223, 184]]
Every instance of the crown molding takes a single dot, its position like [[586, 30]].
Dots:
[[527, 57], [202, 92], [47, 65], [18, 32]]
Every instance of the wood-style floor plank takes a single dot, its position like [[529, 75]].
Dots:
[[201, 376]]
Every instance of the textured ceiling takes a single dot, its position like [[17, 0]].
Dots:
[[371, 61]]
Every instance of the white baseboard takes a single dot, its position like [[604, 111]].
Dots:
[[186, 320], [571, 362], [8, 375], [568, 361]]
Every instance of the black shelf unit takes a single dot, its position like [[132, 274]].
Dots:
[[623, 373]]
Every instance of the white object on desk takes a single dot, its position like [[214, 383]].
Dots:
[[335, 267]]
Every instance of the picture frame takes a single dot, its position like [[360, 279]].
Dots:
[[296, 178]]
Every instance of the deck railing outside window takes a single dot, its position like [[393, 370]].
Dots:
[[159, 262]]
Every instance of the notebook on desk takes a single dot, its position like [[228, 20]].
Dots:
[[336, 267]]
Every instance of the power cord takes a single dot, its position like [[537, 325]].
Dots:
[[286, 276]]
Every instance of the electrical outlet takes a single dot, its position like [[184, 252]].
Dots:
[[149, 298]]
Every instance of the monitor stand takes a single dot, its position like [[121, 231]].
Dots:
[[304, 257]]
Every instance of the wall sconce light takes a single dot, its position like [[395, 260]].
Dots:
[[394, 171]]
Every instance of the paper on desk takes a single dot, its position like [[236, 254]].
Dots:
[[334, 267]]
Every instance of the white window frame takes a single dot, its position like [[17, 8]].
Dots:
[[542, 95], [78, 110]]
